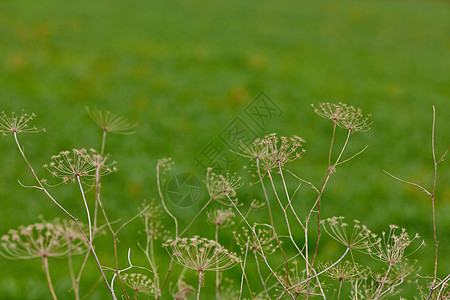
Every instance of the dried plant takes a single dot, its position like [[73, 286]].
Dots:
[[279, 244]]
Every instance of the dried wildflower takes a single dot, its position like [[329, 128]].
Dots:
[[182, 291], [296, 282], [360, 238], [82, 164], [200, 254], [441, 293], [153, 224], [17, 123], [344, 271], [247, 240], [139, 283], [368, 289], [391, 249], [345, 116], [109, 122], [221, 217], [256, 204], [220, 186], [404, 268], [272, 152], [44, 239]]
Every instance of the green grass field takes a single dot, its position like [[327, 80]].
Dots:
[[185, 70]]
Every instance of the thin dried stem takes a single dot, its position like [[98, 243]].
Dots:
[[47, 274]]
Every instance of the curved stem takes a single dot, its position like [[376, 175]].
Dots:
[[47, 274], [196, 216], [65, 211]]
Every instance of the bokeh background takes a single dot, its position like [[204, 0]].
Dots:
[[184, 70]]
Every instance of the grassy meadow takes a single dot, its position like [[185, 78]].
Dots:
[[185, 70]]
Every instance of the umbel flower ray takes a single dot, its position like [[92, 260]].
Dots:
[[17, 123], [71, 165]]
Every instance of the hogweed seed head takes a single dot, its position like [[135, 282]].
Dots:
[[109, 122], [200, 254], [71, 165], [17, 123]]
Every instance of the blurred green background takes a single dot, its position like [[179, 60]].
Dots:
[[184, 70]]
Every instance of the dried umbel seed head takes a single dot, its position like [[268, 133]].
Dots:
[[296, 282], [109, 122], [272, 152], [345, 116], [42, 239], [139, 283], [221, 187], [344, 271], [69, 166], [182, 291], [391, 249], [369, 289], [358, 237], [153, 224], [222, 218], [265, 241], [17, 123], [200, 254]]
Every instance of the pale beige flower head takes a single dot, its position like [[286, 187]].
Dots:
[[355, 237], [43, 239], [17, 123], [201, 254], [344, 115], [264, 241], [222, 218], [69, 166], [139, 283], [272, 152], [392, 247], [222, 186]]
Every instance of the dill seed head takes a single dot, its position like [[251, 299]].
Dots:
[[182, 291], [222, 218], [109, 122], [391, 248], [17, 123], [272, 152], [43, 239], [345, 271], [367, 289], [139, 283], [220, 186], [71, 165], [153, 224], [296, 282], [345, 116], [200, 254], [359, 237], [247, 240]]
